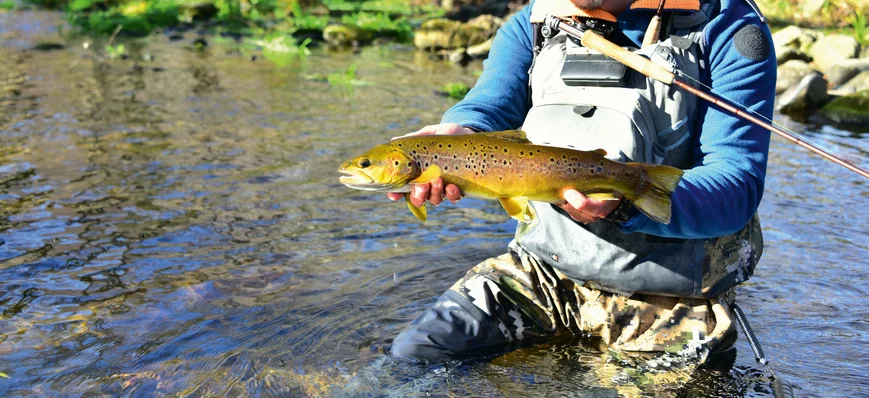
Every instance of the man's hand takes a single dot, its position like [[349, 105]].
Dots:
[[587, 210], [434, 191]]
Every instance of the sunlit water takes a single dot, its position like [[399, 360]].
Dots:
[[175, 226]]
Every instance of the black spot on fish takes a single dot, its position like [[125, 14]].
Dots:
[[505, 150], [522, 152], [591, 171], [466, 145], [501, 177], [425, 149], [396, 163], [399, 145], [496, 147], [417, 145], [409, 164], [426, 164], [551, 160], [455, 156], [436, 157], [449, 145], [530, 153], [601, 162], [440, 145], [413, 151]]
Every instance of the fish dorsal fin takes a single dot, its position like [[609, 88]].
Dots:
[[517, 136], [430, 174], [419, 212], [600, 151]]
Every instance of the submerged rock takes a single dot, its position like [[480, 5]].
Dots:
[[479, 51], [856, 84], [850, 109], [804, 98], [833, 48], [790, 73], [445, 34], [793, 43], [842, 71], [48, 46], [344, 35]]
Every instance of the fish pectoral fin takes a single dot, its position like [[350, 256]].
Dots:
[[517, 136], [601, 152], [419, 212], [516, 207], [430, 174], [603, 196]]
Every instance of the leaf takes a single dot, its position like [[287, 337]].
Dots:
[[4, 375]]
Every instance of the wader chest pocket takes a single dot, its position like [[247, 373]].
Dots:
[[593, 70]]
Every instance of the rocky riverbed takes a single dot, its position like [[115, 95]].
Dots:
[[826, 75]]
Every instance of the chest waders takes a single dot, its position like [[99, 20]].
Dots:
[[780, 387], [584, 100]]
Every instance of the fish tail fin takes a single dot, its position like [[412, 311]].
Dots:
[[419, 212], [652, 196]]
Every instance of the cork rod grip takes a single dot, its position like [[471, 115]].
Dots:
[[633, 61]]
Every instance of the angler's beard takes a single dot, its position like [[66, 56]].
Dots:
[[588, 4]]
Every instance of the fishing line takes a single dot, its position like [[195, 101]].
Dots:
[[753, 112]]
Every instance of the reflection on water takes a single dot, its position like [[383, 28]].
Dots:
[[175, 226]]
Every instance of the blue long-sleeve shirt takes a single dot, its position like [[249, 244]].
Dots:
[[724, 188]]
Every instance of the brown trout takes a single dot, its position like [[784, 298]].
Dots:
[[506, 166]]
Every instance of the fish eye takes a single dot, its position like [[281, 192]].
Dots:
[[364, 163]]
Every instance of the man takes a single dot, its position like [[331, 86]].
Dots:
[[601, 268]]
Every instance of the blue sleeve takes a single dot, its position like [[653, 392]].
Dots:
[[723, 190], [499, 100]]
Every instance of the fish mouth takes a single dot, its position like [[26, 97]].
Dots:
[[354, 177], [359, 180]]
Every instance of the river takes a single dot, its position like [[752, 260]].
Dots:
[[174, 226]]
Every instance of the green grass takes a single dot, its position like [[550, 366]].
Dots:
[[456, 90], [116, 51], [861, 28], [282, 49], [140, 17], [7, 5], [380, 24]]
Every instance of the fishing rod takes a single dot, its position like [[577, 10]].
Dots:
[[645, 66]]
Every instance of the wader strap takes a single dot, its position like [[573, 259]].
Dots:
[[780, 387], [536, 46]]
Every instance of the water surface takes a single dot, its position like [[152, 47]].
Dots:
[[175, 226]]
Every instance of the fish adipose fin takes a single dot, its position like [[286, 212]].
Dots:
[[517, 136], [517, 207], [652, 197], [419, 212], [430, 174]]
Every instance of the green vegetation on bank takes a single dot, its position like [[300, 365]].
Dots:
[[830, 16], [389, 18]]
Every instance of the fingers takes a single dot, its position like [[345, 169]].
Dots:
[[419, 194], [584, 209], [436, 194], [393, 196], [453, 193], [443, 128]]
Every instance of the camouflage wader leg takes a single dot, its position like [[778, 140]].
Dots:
[[515, 297]]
